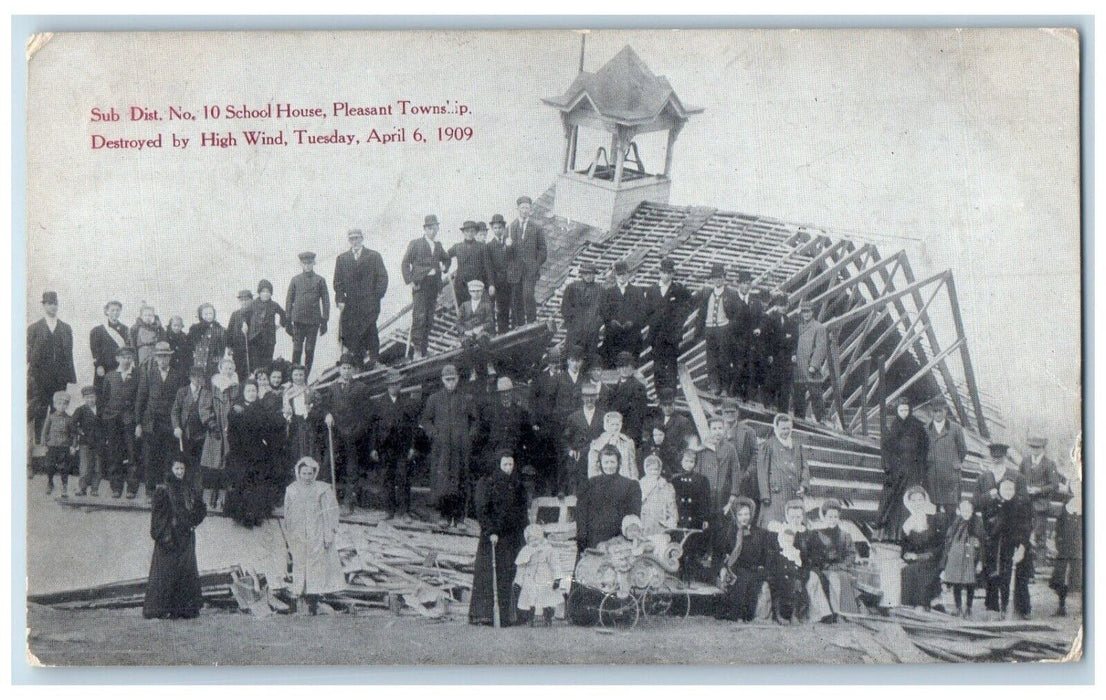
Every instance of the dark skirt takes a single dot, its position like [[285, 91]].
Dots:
[[739, 602], [481, 604], [1067, 575], [173, 587], [921, 582]]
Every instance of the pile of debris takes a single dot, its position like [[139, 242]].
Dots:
[[216, 586], [910, 636]]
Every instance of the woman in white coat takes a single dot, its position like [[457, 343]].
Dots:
[[311, 525]]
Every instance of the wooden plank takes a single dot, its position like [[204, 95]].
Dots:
[[691, 394]]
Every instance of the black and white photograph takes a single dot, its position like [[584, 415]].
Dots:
[[551, 346]]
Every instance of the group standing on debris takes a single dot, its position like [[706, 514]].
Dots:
[[206, 417]]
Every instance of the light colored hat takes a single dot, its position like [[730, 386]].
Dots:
[[504, 384], [1036, 441], [449, 371]]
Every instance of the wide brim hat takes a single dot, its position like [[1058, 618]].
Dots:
[[429, 220], [743, 501], [469, 226], [998, 449], [717, 270], [125, 352], [667, 265]]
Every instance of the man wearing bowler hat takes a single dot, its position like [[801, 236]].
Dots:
[[395, 424], [308, 308], [719, 310], [49, 360], [622, 308], [580, 311], [669, 304], [500, 254], [157, 390], [423, 265], [360, 282], [528, 241], [1042, 481], [188, 426], [471, 262]]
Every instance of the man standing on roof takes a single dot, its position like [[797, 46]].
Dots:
[[783, 334], [308, 307], [471, 263], [810, 361], [360, 282], [580, 311], [719, 309], [622, 308], [499, 254], [747, 329], [668, 303], [526, 237], [423, 266]]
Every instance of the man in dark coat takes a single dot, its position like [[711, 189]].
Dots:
[[506, 425], [627, 396], [569, 383], [188, 427], [581, 428], [744, 440], [308, 307], [719, 311], [523, 271], [348, 406], [360, 282], [472, 262], [1042, 482], [905, 446], [49, 360], [580, 311], [450, 420], [945, 459], [395, 428], [607, 499], [238, 334], [669, 303], [780, 344], [549, 441], [622, 308], [264, 315], [119, 391], [153, 407], [422, 271], [500, 253], [105, 340], [747, 337], [1008, 525]]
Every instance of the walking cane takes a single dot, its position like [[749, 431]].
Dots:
[[330, 443], [496, 622], [1015, 560]]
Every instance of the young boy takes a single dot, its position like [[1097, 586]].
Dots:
[[61, 443], [90, 442], [263, 316], [477, 327], [1067, 571]]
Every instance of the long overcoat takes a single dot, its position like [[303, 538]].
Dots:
[[360, 285], [947, 451], [310, 524], [450, 421]]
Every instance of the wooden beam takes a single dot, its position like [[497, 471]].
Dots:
[[691, 395], [966, 361], [859, 278], [832, 270], [817, 260], [878, 303], [925, 369]]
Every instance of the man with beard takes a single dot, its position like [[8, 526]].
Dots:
[[450, 421], [49, 360], [669, 304], [422, 270], [905, 446], [580, 311], [105, 340], [360, 282], [507, 425]]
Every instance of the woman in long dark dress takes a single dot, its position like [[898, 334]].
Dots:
[[923, 538], [255, 434], [905, 446], [501, 510], [173, 587]]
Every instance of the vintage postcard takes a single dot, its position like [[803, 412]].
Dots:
[[554, 347]]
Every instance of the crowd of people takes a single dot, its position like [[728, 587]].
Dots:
[[208, 414]]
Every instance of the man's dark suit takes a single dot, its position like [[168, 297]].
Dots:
[[395, 425], [49, 366], [360, 283], [499, 257], [308, 309], [578, 435], [720, 339], [103, 348], [668, 312], [623, 314], [422, 268], [153, 409], [186, 416], [524, 268]]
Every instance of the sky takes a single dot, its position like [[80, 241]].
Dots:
[[960, 147]]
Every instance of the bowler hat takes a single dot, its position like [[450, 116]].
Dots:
[[469, 225], [666, 396], [245, 294], [621, 268], [481, 226], [744, 276], [902, 400], [576, 353], [347, 359], [998, 449], [667, 265], [429, 220], [49, 297], [523, 200], [504, 384], [124, 351], [307, 256], [498, 219], [449, 371], [587, 269], [163, 348], [1036, 441], [625, 359], [354, 232], [717, 270], [264, 284]]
